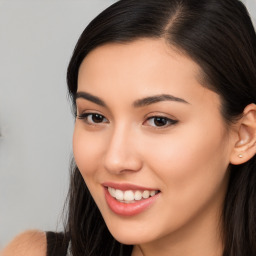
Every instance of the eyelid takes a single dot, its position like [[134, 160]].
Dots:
[[84, 112]]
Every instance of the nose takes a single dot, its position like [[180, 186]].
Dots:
[[122, 154]]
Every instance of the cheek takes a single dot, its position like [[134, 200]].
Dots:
[[192, 161], [192, 171], [86, 150]]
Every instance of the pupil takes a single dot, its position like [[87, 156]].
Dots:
[[97, 118], [160, 121]]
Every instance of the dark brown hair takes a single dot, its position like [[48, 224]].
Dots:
[[219, 36]]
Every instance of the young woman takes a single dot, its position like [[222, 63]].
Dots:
[[165, 133]]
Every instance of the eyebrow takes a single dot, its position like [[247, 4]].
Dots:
[[157, 98], [90, 97], [138, 103]]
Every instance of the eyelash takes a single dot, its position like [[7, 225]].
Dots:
[[166, 121], [85, 117]]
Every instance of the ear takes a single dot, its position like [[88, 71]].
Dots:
[[245, 144]]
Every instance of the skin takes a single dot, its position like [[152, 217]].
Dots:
[[29, 243], [187, 160]]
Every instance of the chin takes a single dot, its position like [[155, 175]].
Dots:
[[131, 236], [129, 239]]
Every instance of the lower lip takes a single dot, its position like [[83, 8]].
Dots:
[[129, 209]]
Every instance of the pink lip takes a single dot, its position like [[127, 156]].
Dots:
[[125, 186], [124, 209]]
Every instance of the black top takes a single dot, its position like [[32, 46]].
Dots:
[[57, 244]]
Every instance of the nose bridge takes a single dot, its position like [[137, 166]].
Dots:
[[121, 154]]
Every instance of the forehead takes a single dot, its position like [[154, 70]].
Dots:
[[140, 68], [137, 57]]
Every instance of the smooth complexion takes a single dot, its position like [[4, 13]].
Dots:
[[119, 140]]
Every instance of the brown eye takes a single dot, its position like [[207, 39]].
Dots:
[[93, 118], [96, 118], [160, 121]]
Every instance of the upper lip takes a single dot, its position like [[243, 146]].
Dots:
[[127, 186]]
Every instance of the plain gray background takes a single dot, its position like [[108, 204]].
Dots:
[[36, 41]]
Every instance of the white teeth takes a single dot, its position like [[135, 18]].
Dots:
[[152, 193], [112, 191], [145, 194], [137, 195], [119, 195], [129, 196]]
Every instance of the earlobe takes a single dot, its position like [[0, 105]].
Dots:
[[245, 146]]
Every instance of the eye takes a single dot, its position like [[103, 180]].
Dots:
[[93, 118], [160, 121]]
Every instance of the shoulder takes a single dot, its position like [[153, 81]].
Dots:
[[32, 242]]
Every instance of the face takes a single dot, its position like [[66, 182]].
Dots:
[[150, 141]]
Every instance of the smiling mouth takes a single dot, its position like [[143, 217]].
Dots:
[[131, 196]]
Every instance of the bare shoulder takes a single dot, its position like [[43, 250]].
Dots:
[[32, 242]]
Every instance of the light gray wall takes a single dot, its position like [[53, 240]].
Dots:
[[251, 6], [36, 41]]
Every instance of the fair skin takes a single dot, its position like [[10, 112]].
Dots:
[[178, 146], [29, 243]]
